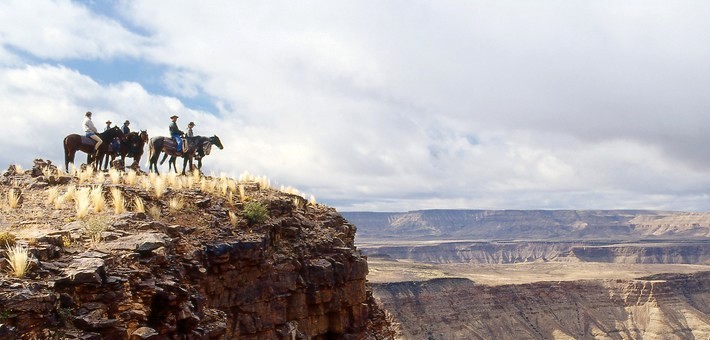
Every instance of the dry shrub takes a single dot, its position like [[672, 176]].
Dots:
[[97, 198], [19, 258], [119, 203], [52, 196], [233, 219], [13, 198], [82, 202], [154, 212], [138, 205], [175, 204]]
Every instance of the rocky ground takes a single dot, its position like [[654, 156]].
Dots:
[[206, 270]]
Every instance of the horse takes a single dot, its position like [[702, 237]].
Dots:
[[199, 145], [133, 140], [75, 142]]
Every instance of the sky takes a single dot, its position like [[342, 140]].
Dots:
[[374, 105]]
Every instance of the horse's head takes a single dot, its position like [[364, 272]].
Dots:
[[215, 140], [144, 135], [112, 133]]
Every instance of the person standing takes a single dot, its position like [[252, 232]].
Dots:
[[189, 129], [91, 132], [176, 133]]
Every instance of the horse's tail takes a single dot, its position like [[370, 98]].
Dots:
[[66, 155], [151, 149]]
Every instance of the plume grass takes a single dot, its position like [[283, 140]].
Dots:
[[19, 258]]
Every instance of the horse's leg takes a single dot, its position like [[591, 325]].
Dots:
[[165, 156]]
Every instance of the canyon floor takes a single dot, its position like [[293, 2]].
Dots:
[[385, 269]]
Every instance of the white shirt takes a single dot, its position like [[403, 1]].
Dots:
[[89, 126]]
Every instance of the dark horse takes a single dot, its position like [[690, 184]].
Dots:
[[75, 142], [198, 147], [133, 141]]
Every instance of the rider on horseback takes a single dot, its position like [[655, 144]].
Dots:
[[176, 134], [91, 131]]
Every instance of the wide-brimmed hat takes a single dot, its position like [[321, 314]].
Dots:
[[126, 122], [108, 122], [174, 116], [191, 124], [88, 113]]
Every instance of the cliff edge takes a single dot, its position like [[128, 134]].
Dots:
[[197, 258]]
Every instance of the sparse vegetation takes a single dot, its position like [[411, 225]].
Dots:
[[233, 219], [114, 175], [7, 239], [94, 227], [138, 205], [97, 198], [13, 198], [82, 202], [52, 196], [131, 178], [119, 203], [255, 212], [175, 204], [154, 212], [19, 258]]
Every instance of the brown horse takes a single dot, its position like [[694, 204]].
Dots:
[[132, 146], [74, 143]]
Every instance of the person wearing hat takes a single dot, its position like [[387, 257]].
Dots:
[[176, 133], [126, 130], [108, 125], [189, 129], [90, 131]]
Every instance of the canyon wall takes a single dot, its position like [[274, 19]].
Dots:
[[669, 306], [695, 252], [529, 224]]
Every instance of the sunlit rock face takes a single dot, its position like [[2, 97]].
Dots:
[[667, 306]]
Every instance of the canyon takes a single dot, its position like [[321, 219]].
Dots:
[[459, 274]]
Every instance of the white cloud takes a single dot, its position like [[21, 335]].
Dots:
[[396, 105]]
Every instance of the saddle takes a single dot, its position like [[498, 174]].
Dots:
[[87, 141], [170, 143]]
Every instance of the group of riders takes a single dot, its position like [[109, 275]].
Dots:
[[176, 134], [121, 141]]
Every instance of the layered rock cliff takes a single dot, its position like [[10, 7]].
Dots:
[[671, 306], [530, 224], [687, 252], [208, 270]]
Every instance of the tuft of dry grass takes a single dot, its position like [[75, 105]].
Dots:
[[97, 198], [138, 205], [52, 196], [242, 193], [154, 212], [233, 219], [85, 175], [114, 175], [119, 203], [175, 204], [131, 177], [13, 198], [312, 200], [19, 258], [82, 202], [159, 186]]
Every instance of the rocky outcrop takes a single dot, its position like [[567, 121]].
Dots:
[[193, 274], [530, 224], [672, 306]]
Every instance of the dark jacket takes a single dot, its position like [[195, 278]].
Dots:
[[174, 130]]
